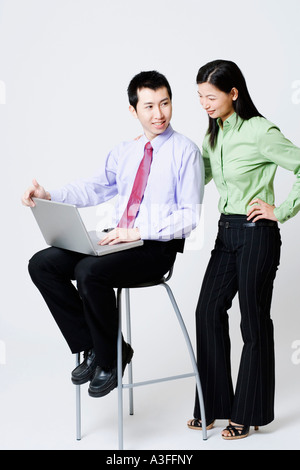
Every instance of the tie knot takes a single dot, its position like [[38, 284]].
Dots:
[[148, 146]]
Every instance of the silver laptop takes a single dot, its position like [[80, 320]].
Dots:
[[63, 227]]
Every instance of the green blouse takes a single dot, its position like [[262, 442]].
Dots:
[[244, 162]]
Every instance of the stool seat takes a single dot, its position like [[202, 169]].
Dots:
[[130, 385], [145, 284], [152, 282]]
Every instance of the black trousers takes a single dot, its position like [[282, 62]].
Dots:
[[244, 260], [86, 313]]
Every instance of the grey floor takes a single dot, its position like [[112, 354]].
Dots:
[[37, 408]]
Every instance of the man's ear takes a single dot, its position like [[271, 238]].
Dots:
[[133, 112]]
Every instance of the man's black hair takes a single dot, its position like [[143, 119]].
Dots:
[[151, 79]]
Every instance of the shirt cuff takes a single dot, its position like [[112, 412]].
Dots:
[[281, 215]]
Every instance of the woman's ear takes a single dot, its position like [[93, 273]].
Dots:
[[234, 94]]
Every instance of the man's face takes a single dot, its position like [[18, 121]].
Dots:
[[154, 111]]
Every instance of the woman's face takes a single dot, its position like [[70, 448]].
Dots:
[[215, 102]]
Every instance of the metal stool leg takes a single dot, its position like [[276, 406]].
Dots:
[[78, 404], [192, 356], [130, 375], [119, 371], [119, 363], [131, 384]]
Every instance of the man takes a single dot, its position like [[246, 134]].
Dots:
[[168, 211]]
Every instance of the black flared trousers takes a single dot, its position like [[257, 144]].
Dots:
[[244, 261], [86, 310]]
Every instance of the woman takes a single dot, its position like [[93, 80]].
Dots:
[[241, 151]]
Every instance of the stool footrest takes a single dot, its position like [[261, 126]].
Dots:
[[163, 379]]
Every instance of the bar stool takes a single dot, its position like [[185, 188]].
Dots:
[[130, 385]]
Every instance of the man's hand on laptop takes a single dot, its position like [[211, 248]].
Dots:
[[34, 191], [121, 235]]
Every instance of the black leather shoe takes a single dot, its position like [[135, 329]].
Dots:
[[85, 371], [105, 380]]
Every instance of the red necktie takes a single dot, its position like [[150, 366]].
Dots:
[[138, 189]]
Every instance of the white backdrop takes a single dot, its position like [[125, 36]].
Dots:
[[64, 70]]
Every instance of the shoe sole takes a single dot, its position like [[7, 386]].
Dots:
[[105, 392], [83, 381], [199, 428], [233, 438]]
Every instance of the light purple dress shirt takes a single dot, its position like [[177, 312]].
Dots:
[[171, 205]]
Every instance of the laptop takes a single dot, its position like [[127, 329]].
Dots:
[[62, 226]]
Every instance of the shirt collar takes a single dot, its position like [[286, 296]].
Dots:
[[234, 120], [159, 140]]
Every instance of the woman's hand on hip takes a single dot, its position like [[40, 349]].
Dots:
[[261, 210]]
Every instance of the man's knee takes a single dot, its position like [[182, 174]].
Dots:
[[35, 265], [41, 263]]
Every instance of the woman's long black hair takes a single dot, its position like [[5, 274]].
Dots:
[[225, 75]]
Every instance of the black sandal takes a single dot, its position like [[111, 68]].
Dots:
[[196, 423], [237, 431]]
